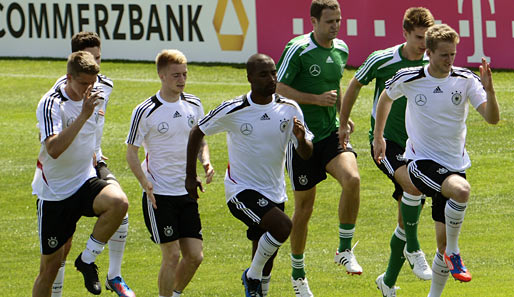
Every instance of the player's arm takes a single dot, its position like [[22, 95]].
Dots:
[[135, 165], [305, 147], [383, 109], [329, 98], [56, 144], [205, 160], [349, 98], [193, 148], [490, 109]]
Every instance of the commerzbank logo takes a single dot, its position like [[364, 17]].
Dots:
[[230, 42]]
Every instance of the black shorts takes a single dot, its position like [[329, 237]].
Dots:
[[305, 174], [175, 217], [57, 220], [428, 176], [393, 160], [103, 172], [250, 206]]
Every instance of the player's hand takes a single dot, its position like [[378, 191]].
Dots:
[[379, 148], [148, 187], [351, 125], [90, 101], [344, 135], [328, 98], [209, 172], [486, 76], [192, 184], [298, 129], [104, 158]]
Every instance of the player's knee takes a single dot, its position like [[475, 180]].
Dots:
[[195, 259], [170, 258], [462, 192], [283, 230], [352, 182]]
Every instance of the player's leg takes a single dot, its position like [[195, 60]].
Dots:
[[191, 247], [58, 284], [170, 252], [303, 207], [48, 268], [343, 168], [410, 208], [109, 204], [440, 271], [458, 188]]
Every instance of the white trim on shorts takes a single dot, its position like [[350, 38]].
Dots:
[[40, 224], [413, 168], [153, 222], [248, 212]]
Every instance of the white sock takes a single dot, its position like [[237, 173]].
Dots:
[[440, 273], [454, 215], [59, 281], [93, 249], [265, 284], [176, 294], [116, 249], [266, 248]]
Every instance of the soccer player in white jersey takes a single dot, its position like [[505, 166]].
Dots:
[[259, 126], [435, 119], [380, 66], [90, 42], [161, 124], [66, 183]]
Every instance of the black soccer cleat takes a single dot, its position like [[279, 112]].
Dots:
[[90, 273]]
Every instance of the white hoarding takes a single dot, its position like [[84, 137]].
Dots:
[[206, 31]]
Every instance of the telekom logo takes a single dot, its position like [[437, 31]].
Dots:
[[477, 29]]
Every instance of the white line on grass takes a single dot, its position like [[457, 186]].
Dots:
[[127, 79]]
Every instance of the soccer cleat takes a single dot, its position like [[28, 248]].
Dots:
[[386, 291], [118, 286], [301, 287], [347, 258], [252, 286], [90, 273], [457, 268], [419, 264]]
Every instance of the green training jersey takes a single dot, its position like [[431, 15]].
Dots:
[[310, 68], [381, 65]]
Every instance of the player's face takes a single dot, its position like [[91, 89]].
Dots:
[[174, 77], [327, 27], [96, 52], [442, 58], [264, 78], [416, 40], [76, 86]]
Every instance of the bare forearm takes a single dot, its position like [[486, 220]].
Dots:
[[305, 149], [135, 165], [203, 154], [193, 148], [383, 109], [291, 93], [492, 109], [57, 144], [349, 98]]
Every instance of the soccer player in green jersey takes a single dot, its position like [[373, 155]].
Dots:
[[381, 65], [310, 72]]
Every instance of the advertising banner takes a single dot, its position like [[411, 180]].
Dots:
[[206, 31]]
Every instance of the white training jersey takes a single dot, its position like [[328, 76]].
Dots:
[[58, 179], [436, 113], [257, 138], [162, 128], [105, 86]]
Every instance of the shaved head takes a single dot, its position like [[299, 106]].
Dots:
[[255, 60]]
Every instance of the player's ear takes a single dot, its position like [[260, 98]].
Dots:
[[405, 33]]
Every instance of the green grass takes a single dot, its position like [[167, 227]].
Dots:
[[487, 239]]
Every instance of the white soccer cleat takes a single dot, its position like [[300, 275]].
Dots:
[[347, 258], [386, 291], [419, 264], [301, 287]]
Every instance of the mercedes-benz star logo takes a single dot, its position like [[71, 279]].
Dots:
[[314, 70], [163, 127], [246, 129], [420, 99]]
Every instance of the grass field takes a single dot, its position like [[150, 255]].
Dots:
[[487, 239]]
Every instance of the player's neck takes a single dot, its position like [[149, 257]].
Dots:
[[326, 43], [261, 100], [437, 73], [168, 95], [71, 94], [410, 54]]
